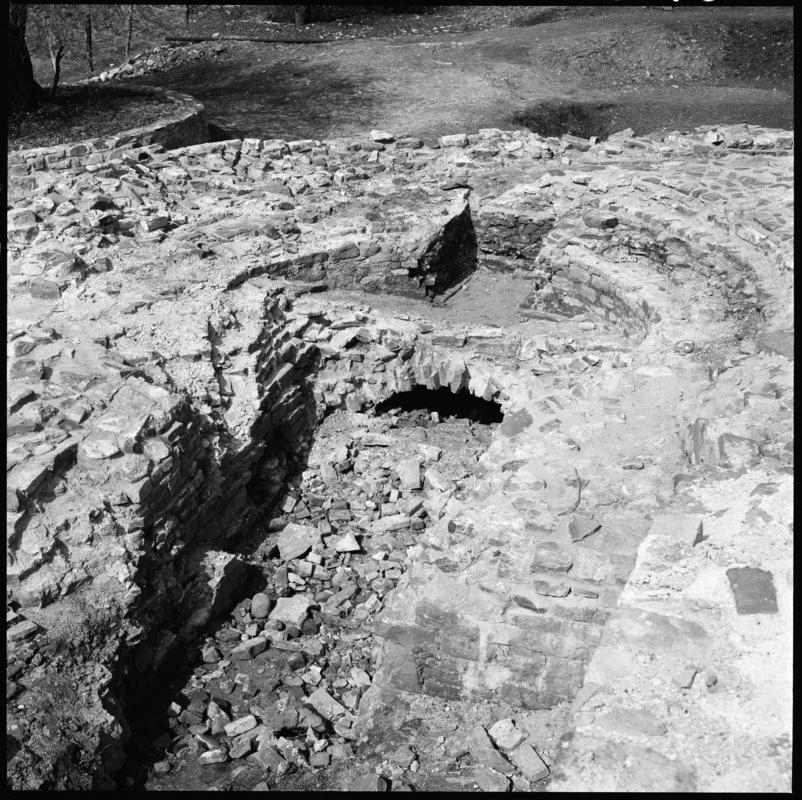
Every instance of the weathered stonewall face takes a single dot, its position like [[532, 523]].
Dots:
[[168, 368]]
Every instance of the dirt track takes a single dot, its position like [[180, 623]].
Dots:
[[645, 68]]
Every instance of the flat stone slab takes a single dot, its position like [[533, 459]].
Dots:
[[527, 759], [506, 735], [291, 610], [481, 748], [408, 470], [326, 705], [581, 527], [781, 342], [753, 590], [515, 423], [632, 722], [249, 649], [652, 632], [21, 630], [296, 540], [685, 527]]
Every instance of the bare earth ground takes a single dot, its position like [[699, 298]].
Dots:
[[554, 69], [78, 113], [644, 68]]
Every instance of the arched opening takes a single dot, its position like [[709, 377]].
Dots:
[[418, 404]]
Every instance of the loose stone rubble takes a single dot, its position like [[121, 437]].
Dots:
[[224, 560]]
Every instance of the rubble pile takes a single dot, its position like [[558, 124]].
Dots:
[[280, 684]]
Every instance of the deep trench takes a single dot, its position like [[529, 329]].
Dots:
[[150, 695]]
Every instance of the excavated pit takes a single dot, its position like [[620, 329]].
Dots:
[[451, 430]]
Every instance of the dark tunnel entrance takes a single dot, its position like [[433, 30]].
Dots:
[[462, 405]]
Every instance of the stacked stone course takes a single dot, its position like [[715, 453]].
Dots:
[[184, 123]]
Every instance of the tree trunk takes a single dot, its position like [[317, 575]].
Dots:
[[88, 34], [186, 15], [56, 48], [56, 68], [302, 15], [23, 90], [130, 32]]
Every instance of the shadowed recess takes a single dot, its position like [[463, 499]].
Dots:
[[461, 404]]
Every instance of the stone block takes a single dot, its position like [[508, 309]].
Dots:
[[506, 735], [600, 219], [296, 540], [529, 762], [753, 590], [454, 140], [683, 527], [631, 722], [488, 780], [551, 557], [249, 649], [580, 527], [482, 749], [409, 472], [291, 610], [326, 705]]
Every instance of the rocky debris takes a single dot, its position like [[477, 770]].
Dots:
[[488, 780], [144, 406], [281, 684], [21, 630], [482, 749], [370, 783]]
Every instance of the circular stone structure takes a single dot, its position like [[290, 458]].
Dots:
[[184, 123], [198, 341]]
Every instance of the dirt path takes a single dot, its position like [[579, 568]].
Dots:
[[641, 68]]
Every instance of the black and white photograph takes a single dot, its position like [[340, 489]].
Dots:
[[399, 398]]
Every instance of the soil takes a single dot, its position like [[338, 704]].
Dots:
[[84, 112], [619, 67], [435, 70]]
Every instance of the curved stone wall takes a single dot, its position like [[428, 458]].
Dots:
[[184, 124]]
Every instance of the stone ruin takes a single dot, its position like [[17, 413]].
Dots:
[[245, 549]]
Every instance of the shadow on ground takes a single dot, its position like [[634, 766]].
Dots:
[[285, 100], [655, 114]]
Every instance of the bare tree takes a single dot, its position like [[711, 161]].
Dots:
[[130, 32], [88, 39], [301, 14], [45, 25], [23, 90], [56, 48]]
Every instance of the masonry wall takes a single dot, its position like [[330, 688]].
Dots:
[[184, 124]]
